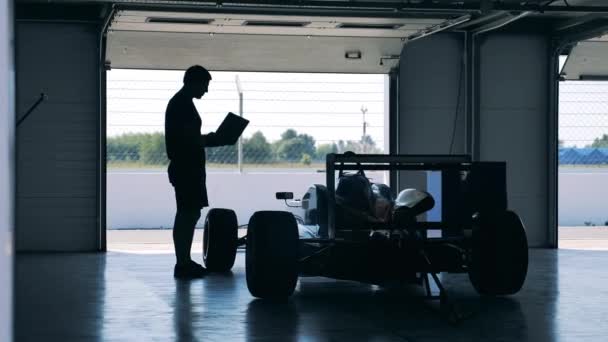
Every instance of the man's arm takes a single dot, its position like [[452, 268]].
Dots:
[[211, 140]]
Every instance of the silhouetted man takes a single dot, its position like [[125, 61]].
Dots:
[[186, 152]]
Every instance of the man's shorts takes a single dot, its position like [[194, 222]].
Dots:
[[191, 196]]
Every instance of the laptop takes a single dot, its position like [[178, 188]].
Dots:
[[231, 128]]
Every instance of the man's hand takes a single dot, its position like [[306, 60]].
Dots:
[[211, 140]]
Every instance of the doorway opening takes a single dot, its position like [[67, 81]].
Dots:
[[295, 120], [583, 161]]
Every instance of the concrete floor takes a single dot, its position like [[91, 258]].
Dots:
[[159, 241], [590, 238], [132, 297]]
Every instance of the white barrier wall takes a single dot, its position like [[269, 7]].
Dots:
[[146, 199], [7, 145], [582, 196]]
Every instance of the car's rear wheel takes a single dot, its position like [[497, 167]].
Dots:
[[271, 258], [499, 260], [220, 239]]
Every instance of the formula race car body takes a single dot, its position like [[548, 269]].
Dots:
[[353, 229]]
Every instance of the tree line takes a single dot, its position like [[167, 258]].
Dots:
[[600, 142], [292, 147]]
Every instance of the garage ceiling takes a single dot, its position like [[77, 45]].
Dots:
[[248, 42], [268, 24], [307, 35]]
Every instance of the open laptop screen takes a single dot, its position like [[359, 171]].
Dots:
[[231, 128]]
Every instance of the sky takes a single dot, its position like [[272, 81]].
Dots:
[[583, 111], [327, 106]]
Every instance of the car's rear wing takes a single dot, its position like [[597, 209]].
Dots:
[[484, 190]]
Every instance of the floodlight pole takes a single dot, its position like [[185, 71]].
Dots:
[[363, 141], [239, 89]]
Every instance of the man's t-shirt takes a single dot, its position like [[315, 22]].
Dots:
[[184, 142]]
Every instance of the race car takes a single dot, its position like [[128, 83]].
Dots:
[[353, 229]]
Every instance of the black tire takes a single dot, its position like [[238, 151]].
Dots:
[[271, 258], [220, 237], [499, 260]]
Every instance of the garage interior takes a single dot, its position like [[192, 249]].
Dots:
[[495, 64]]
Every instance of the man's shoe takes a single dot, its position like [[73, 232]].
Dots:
[[191, 270]]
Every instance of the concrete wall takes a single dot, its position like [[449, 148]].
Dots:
[[430, 111], [146, 199], [7, 164], [431, 76], [514, 122], [513, 113], [57, 145]]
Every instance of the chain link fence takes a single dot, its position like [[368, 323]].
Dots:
[[295, 119], [583, 158], [583, 123]]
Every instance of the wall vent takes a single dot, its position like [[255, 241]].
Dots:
[[193, 21], [271, 23], [368, 26]]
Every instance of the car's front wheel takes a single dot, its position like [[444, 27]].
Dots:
[[271, 258], [220, 239]]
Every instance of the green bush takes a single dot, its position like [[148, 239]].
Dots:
[[306, 159], [325, 149], [123, 148], [293, 146], [149, 149], [256, 149], [222, 154], [152, 149]]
